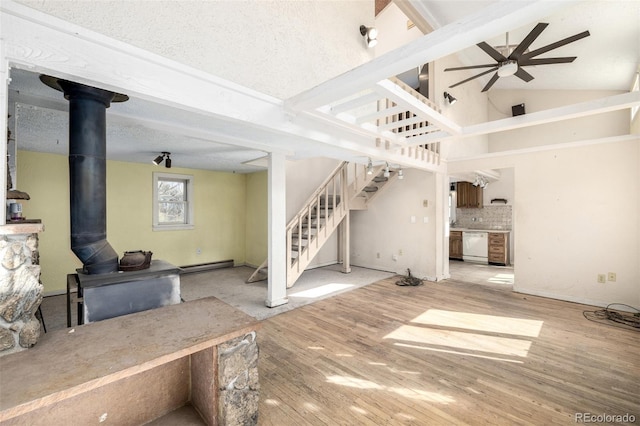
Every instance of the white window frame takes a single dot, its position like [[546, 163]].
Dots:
[[188, 179]]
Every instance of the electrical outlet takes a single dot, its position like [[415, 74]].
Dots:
[[394, 258], [400, 252], [602, 278], [611, 276]]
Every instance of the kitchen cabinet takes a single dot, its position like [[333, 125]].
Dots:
[[499, 248], [468, 195], [455, 245]]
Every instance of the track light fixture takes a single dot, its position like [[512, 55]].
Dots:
[[158, 159], [386, 171], [400, 174], [449, 98], [163, 157], [481, 181], [370, 35], [370, 167]]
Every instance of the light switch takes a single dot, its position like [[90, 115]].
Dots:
[[413, 219], [425, 203], [425, 219]]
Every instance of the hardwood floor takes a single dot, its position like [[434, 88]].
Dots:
[[443, 353]]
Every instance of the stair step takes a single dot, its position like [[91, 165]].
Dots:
[[323, 200], [322, 215], [296, 245], [370, 189], [379, 179], [314, 222], [305, 233]]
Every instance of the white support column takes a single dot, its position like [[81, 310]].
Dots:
[[277, 223], [442, 227], [344, 231], [345, 244]]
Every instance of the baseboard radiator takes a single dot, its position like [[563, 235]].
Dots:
[[203, 267]]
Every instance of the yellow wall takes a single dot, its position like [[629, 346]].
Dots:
[[257, 205], [220, 206]]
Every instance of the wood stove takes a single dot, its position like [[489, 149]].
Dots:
[[104, 291], [105, 296]]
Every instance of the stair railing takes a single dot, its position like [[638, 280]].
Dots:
[[317, 219]]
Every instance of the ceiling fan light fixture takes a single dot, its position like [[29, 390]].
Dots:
[[507, 68]]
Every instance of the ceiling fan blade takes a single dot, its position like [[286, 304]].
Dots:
[[555, 45], [470, 67], [547, 61], [475, 76], [523, 75], [530, 38], [491, 51], [491, 82]]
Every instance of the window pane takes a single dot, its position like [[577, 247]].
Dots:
[[171, 191], [173, 208], [172, 212]]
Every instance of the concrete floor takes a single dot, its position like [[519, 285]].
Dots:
[[229, 285]]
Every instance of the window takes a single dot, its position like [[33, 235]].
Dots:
[[172, 201]]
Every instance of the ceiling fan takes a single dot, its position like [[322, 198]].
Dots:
[[512, 64]]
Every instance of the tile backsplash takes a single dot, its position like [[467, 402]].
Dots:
[[488, 217]]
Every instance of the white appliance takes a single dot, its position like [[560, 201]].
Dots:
[[475, 247]]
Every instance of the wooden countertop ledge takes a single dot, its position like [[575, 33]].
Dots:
[[70, 362]]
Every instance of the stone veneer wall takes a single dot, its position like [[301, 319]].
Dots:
[[488, 217], [20, 292], [239, 388]]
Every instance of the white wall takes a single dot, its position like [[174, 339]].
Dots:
[[386, 228], [577, 212], [586, 128], [276, 47], [503, 188], [391, 24]]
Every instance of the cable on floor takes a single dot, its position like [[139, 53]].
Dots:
[[409, 280], [616, 317]]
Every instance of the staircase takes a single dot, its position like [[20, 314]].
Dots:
[[349, 187]]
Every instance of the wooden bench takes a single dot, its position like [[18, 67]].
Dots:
[[132, 369]]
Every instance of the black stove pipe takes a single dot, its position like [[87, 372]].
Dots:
[[88, 173]]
